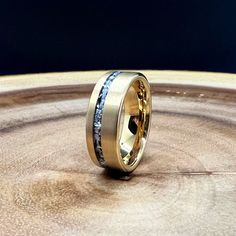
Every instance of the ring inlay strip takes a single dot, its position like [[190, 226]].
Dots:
[[97, 121]]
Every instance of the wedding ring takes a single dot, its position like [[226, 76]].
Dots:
[[118, 120]]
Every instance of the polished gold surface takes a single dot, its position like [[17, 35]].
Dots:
[[125, 121]]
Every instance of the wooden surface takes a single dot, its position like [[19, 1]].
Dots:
[[185, 185]]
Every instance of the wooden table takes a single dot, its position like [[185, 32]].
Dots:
[[185, 185]]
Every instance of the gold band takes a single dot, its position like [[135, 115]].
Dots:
[[118, 120]]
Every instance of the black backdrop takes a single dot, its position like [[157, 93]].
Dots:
[[43, 36]]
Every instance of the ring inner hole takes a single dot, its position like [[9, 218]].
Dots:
[[133, 123]]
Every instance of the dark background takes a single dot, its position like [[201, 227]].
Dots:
[[44, 36]]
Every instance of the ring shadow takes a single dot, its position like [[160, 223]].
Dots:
[[116, 175]]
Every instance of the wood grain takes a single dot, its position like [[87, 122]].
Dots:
[[185, 185]]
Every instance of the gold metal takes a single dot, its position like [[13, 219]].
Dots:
[[125, 120]]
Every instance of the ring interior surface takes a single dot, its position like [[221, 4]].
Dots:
[[125, 120], [134, 123]]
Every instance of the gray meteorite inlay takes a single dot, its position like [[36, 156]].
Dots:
[[97, 120]]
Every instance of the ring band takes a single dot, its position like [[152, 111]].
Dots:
[[118, 120]]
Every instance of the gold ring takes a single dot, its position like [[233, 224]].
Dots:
[[118, 120]]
